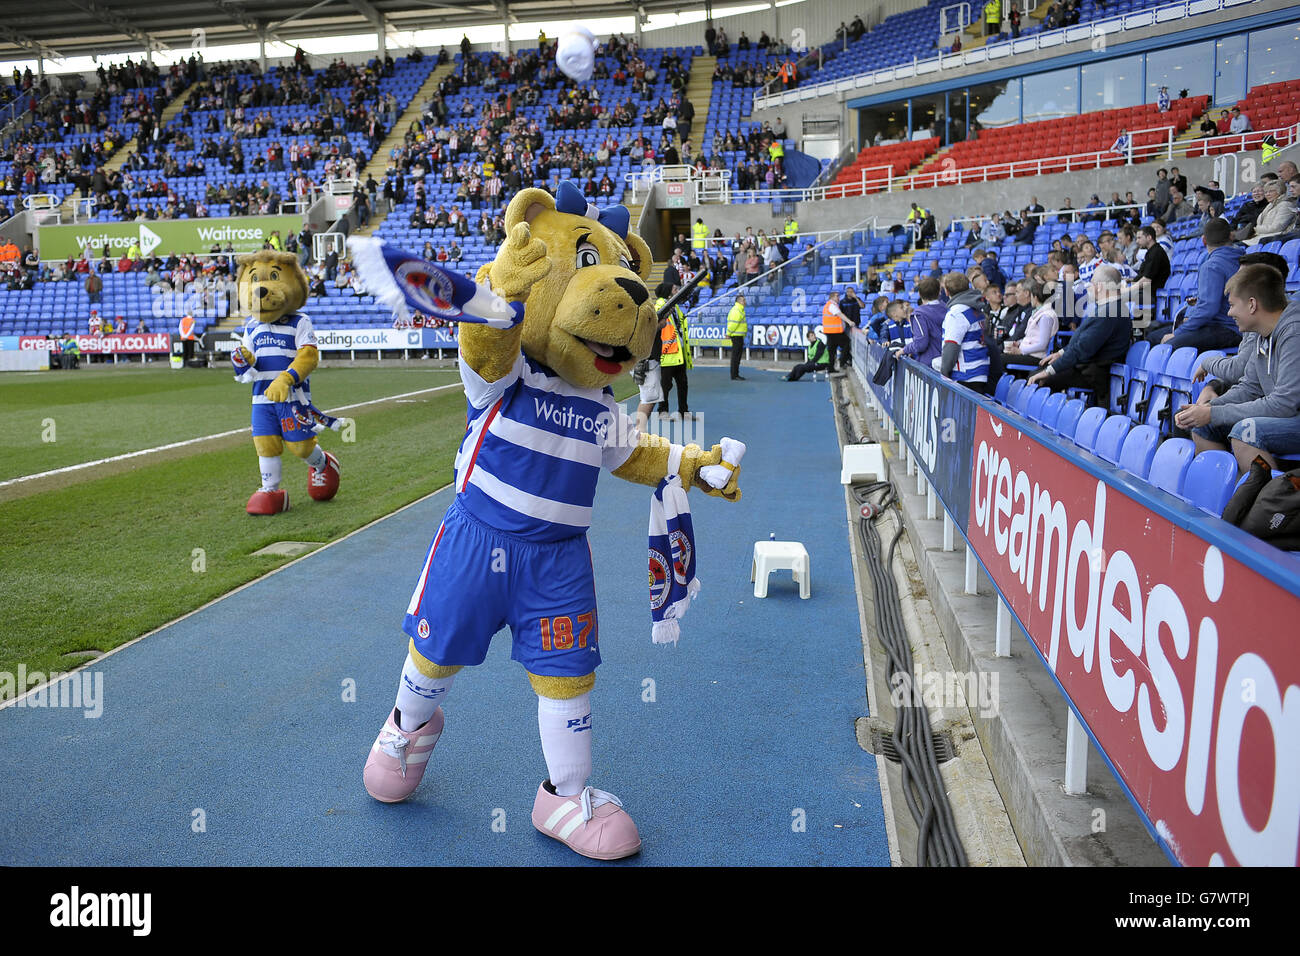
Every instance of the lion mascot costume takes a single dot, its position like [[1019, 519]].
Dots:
[[277, 352], [512, 548]]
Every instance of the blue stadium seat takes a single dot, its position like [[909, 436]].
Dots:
[[1034, 407], [1210, 481], [1022, 398], [1170, 464], [1110, 438], [1122, 373], [1177, 374], [1000, 391], [1139, 450], [1068, 420], [1143, 378], [1014, 392], [1085, 433], [1051, 410]]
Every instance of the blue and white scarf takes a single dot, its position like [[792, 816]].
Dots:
[[672, 560], [405, 282]]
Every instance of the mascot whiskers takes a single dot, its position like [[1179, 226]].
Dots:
[[512, 547]]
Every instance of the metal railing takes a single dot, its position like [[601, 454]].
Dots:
[[1076, 214], [1083, 32], [872, 223], [881, 179]]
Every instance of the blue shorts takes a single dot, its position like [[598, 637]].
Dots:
[[278, 419], [1277, 436], [476, 580]]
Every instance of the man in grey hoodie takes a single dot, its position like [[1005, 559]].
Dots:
[[1258, 415]]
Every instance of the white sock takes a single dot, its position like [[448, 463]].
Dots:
[[418, 696], [317, 457], [565, 726], [270, 472]]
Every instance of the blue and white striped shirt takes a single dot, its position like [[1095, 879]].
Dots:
[[534, 448], [965, 326], [274, 347]]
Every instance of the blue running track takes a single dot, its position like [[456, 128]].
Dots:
[[238, 710]]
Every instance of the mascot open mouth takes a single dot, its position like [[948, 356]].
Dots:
[[609, 358]]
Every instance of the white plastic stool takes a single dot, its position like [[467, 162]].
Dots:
[[772, 556]]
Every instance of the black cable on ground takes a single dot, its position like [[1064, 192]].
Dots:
[[938, 843]]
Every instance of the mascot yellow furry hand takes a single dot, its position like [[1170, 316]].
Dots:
[[512, 548], [277, 352]]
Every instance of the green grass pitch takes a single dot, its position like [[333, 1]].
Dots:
[[94, 558]]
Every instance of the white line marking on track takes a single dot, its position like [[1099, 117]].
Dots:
[[203, 438], [64, 675]]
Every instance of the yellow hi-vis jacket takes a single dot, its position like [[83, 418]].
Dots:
[[792, 227], [736, 324], [701, 233]]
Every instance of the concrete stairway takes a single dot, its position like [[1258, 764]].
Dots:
[[378, 164], [123, 151]]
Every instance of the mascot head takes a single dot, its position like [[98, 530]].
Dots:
[[592, 318], [271, 285]]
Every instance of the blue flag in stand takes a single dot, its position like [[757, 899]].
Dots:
[[672, 560], [405, 282]]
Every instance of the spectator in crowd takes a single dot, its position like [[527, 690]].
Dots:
[[1243, 223], [1102, 339], [1240, 122], [1206, 324], [1257, 414], [1278, 215], [851, 306], [1025, 353], [1179, 207], [94, 288], [927, 324], [965, 357]]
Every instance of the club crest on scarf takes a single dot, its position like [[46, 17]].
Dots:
[[658, 580], [433, 289]]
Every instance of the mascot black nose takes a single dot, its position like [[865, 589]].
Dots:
[[636, 290], [263, 292]]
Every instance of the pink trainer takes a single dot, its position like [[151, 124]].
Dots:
[[397, 758], [592, 823]]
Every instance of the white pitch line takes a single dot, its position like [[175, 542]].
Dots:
[[194, 441]]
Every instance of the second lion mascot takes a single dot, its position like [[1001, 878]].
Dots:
[[512, 548], [276, 353]]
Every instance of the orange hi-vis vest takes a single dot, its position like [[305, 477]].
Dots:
[[832, 322]]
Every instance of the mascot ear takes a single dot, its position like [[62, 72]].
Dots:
[[526, 206], [642, 261]]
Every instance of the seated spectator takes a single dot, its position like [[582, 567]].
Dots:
[[1257, 414], [1224, 124], [1102, 339], [927, 324], [1243, 223], [965, 357], [1240, 122], [1277, 217], [1026, 352], [1178, 208], [1207, 324]]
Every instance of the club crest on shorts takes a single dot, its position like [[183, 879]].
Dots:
[[681, 555], [431, 289], [658, 580], [422, 628]]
